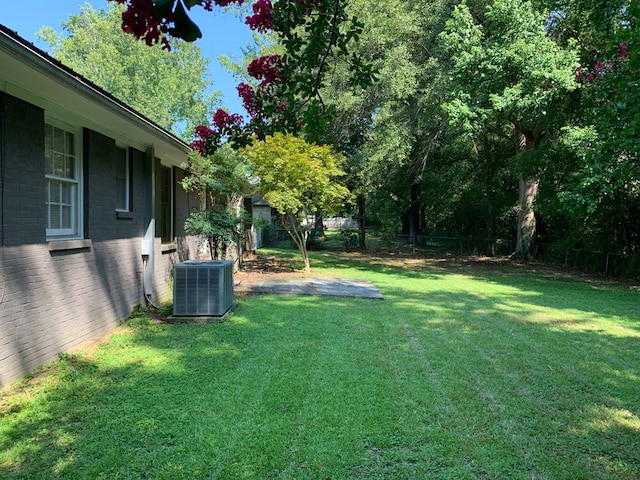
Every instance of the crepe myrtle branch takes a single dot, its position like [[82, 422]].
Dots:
[[286, 93]]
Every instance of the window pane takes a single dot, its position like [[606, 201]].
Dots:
[[69, 167], [58, 140], [54, 191], [69, 147], [54, 220], [58, 165], [66, 217], [66, 193], [61, 171], [121, 167], [48, 145]]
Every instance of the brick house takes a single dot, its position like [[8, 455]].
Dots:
[[91, 209]]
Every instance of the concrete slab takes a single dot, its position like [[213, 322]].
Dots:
[[332, 287], [201, 319]]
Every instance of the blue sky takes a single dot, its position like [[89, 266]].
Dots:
[[223, 33]]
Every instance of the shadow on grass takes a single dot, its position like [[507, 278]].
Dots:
[[459, 373]]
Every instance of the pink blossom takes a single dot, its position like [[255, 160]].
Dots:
[[248, 96], [622, 50], [139, 20], [579, 73], [203, 132], [198, 146], [262, 18], [224, 3], [266, 68], [223, 120]]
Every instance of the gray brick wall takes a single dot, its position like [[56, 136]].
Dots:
[[23, 187], [184, 248], [52, 301]]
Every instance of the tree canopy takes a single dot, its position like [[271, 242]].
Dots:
[[508, 70], [298, 180], [171, 88], [314, 35], [537, 139]]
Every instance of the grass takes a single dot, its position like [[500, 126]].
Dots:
[[464, 371]]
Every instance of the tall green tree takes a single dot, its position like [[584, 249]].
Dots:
[[390, 130], [221, 181], [171, 88], [509, 70], [600, 196], [299, 180]]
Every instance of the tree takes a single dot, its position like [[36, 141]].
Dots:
[[168, 87], [221, 182], [315, 35], [390, 129], [508, 69], [600, 195], [298, 180]]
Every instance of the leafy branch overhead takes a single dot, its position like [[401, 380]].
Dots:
[[316, 35]]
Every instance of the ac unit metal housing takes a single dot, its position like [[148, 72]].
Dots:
[[202, 288]]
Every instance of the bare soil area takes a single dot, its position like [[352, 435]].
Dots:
[[257, 268]]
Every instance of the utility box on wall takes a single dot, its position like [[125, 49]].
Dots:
[[202, 288]]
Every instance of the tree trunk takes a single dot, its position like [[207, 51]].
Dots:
[[299, 234], [414, 213], [307, 265], [318, 226], [528, 190], [527, 193], [362, 201], [488, 190], [303, 250]]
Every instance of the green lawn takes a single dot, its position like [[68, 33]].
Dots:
[[464, 371]]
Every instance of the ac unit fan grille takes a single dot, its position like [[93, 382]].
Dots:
[[202, 288]]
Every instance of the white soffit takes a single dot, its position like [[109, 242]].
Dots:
[[29, 73]]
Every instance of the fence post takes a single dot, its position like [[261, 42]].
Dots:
[[606, 268]]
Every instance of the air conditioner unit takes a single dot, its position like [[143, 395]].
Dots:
[[202, 288]]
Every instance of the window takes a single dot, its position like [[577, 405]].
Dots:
[[166, 204], [123, 202], [62, 172]]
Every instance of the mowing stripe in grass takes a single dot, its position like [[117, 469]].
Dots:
[[460, 373]]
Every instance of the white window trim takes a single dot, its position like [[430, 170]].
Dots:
[[53, 234]]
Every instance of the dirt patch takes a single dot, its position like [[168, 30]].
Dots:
[[259, 268]]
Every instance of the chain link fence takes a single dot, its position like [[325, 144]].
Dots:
[[341, 239]]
